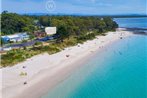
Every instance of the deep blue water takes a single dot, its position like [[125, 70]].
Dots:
[[132, 22], [119, 71]]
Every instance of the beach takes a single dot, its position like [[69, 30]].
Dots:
[[43, 72]]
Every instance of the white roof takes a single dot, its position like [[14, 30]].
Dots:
[[13, 36], [50, 30]]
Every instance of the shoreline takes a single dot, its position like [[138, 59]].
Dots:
[[139, 31], [46, 71]]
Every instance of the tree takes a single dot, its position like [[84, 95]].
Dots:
[[4, 12], [110, 24], [45, 21], [12, 23], [1, 42], [101, 26], [115, 25], [62, 32]]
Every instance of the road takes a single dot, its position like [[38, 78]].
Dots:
[[31, 43]]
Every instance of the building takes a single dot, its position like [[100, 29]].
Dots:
[[40, 34], [23, 36], [50, 30], [15, 38]]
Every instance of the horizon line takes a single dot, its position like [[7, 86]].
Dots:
[[78, 14]]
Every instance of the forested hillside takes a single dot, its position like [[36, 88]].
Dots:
[[12, 23]]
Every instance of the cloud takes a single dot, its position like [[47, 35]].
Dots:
[[100, 3], [93, 1], [104, 4]]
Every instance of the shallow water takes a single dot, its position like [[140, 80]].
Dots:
[[120, 71]]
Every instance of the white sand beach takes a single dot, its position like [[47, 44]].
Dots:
[[44, 71]]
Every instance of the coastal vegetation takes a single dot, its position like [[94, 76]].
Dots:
[[71, 30], [13, 23]]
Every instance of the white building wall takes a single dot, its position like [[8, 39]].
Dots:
[[50, 30]]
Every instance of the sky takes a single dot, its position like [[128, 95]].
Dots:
[[87, 7]]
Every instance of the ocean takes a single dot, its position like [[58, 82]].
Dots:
[[132, 22], [119, 71]]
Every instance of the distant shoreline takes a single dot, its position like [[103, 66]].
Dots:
[[142, 31], [127, 28], [61, 14]]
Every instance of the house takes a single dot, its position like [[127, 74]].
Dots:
[[23, 36], [15, 38], [7, 49], [40, 34], [50, 30]]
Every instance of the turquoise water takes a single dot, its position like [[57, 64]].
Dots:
[[119, 71], [132, 22]]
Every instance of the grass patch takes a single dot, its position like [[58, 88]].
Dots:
[[19, 55]]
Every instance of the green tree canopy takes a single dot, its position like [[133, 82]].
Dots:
[[12, 23]]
